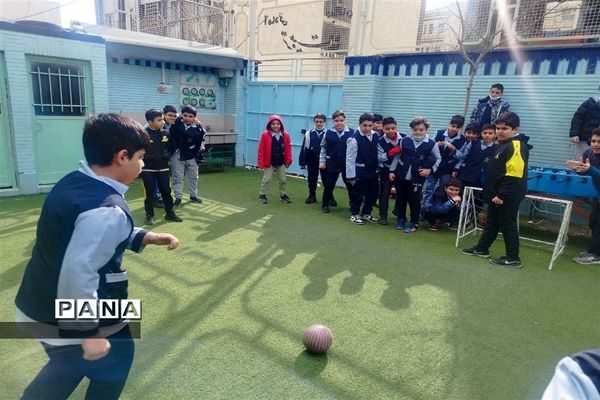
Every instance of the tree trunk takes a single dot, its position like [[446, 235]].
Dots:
[[472, 74]]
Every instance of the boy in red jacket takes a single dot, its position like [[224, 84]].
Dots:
[[274, 155]]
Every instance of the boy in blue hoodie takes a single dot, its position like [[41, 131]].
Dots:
[[590, 165], [444, 205]]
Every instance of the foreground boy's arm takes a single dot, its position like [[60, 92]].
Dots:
[[96, 235]]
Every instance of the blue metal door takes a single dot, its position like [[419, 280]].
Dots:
[[296, 103]]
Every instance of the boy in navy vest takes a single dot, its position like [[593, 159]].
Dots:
[[473, 157], [187, 137], [378, 126], [590, 165], [309, 156], [83, 230], [155, 173], [387, 147], [361, 170], [332, 158], [504, 187], [420, 158], [448, 141], [443, 205]]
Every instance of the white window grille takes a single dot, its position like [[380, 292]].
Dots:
[[58, 89]]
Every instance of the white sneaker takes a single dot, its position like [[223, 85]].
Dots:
[[369, 218], [587, 258], [356, 219]]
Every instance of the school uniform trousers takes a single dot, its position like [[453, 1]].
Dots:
[[66, 368], [153, 181]]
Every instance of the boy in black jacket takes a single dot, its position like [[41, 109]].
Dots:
[[156, 167], [309, 156], [504, 186], [187, 138]]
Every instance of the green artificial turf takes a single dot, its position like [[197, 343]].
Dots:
[[412, 317]]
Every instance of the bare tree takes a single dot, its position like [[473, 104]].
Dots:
[[501, 30]]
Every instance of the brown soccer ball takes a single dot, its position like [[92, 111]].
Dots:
[[317, 339]]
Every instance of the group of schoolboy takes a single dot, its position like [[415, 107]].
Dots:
[[178, 141], [428, 175]]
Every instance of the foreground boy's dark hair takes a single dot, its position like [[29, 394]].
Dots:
[[365, 117], [488, 126], [320, 116], [454, 182], [188, 110], [338, 113], [152, 114], [498, 86], [104, 135], [389, 120], [169, 108], [509, 118], [473, 127], [457, 120]]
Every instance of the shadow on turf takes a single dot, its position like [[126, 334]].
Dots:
[[310, 365]]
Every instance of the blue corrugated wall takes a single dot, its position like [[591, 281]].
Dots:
[[132, 86], [544, 88]]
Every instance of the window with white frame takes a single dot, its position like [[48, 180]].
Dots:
[[58, 89]]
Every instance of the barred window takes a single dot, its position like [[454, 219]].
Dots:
[[58, 89]]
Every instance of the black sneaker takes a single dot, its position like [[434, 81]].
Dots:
[[382, 221], [262, 199], [333, 203], [195, 200], [172, 217], [149, 220], [505, 261], [285, 198], [310, 199], [177, 203], [325, 209], [474, 251]]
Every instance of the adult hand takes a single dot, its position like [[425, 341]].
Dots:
[[95, 348], [392, 177], [321, 166], [454, 174], [498, 201], [575, 139], [161, 239]]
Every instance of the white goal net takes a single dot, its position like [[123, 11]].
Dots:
[[547, 215]]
